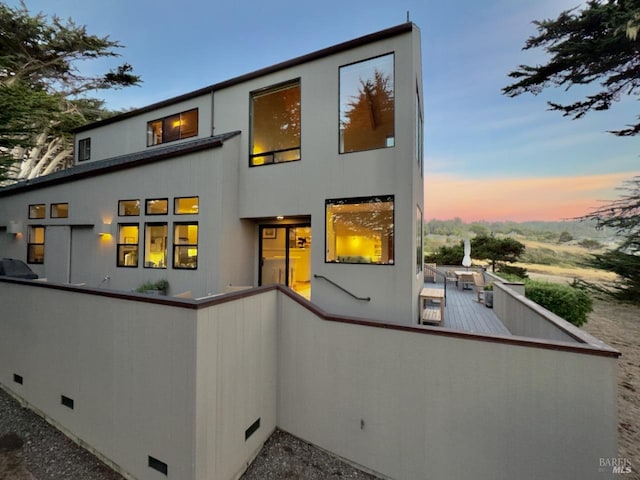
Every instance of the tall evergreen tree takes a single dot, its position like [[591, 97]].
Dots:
[[598, 44], [42, 92]]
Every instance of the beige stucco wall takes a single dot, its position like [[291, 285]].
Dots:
[[416, 406]]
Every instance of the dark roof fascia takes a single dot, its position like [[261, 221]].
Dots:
[[115, 164], [341, 47]]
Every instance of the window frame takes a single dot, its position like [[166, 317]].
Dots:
[[341, 150], [33, 206], [160, 199], [185, 245], [163, 140], [55, 205], [296, 82], [175, 205], [145, 262], [419, 240], [84, 149], [125, 244], [362, 200], [120, 202], [30, 243]]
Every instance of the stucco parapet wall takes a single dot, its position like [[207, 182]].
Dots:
[[121, 162], [588, 345]]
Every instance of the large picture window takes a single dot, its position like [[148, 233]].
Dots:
[[171, 128], [35, 246], [128, 244], [275, 125], [367, 111], [360, 230], [185, 245], [155, 245]]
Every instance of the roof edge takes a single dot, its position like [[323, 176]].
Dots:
[[325, 52]]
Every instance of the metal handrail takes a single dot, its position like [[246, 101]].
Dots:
[[365, 299], [444, 277]]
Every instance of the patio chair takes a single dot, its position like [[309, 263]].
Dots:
[[479, 284], [451, 277]]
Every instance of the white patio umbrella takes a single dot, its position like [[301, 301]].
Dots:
[[466, 260]]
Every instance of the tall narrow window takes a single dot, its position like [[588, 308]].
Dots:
[[59, 210], [360, 230], [155, 245], [419, 134], [185, 245], [84, 149], [37, 211], [128, 208], [275, 125], [128, 244], [35, 246], [367, 108], [174, 127]]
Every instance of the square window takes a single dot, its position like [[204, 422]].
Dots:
[[367, 105], [186, 205], [156, 206], [59, 210], [37, 211], [128, 208], [275, 125], [360, 230]]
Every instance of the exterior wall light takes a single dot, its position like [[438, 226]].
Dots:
[[14, 228]]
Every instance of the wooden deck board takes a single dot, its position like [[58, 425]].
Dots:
[[463, 312]]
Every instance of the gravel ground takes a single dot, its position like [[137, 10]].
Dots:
[[31, 449]]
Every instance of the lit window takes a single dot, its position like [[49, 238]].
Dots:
[[155, 245], [156, 206], [185, 246], [367, 105], [186, 205], [360, 230], [59, 210], [128, 208], [84, 149], [35, 246], [275, 125], [128, 245], [37, 211], [174, 127]]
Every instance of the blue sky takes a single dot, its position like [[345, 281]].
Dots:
[[486, 156]]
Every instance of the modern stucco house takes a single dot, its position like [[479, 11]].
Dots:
[[307, 174], [309, 167]]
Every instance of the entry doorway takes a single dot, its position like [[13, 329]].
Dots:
[[285, 257]]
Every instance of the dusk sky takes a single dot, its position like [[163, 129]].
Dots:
[[486, 156]]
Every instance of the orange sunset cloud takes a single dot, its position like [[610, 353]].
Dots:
[[518, 199]]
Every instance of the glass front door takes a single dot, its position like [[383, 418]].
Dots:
[[285, 257]]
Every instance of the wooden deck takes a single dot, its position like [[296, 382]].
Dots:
[[463, 312]]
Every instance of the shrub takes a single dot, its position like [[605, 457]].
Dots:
[[511, 270], [564, 300]]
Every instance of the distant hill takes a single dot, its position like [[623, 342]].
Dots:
[[544, 231]]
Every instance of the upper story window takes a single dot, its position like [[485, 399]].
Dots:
[[186, 205], [360, 230], [173, 127], [156, 206], [275, 125], [367, 106], [128, 208], [59, 210], [84, 149], [37, 211]]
